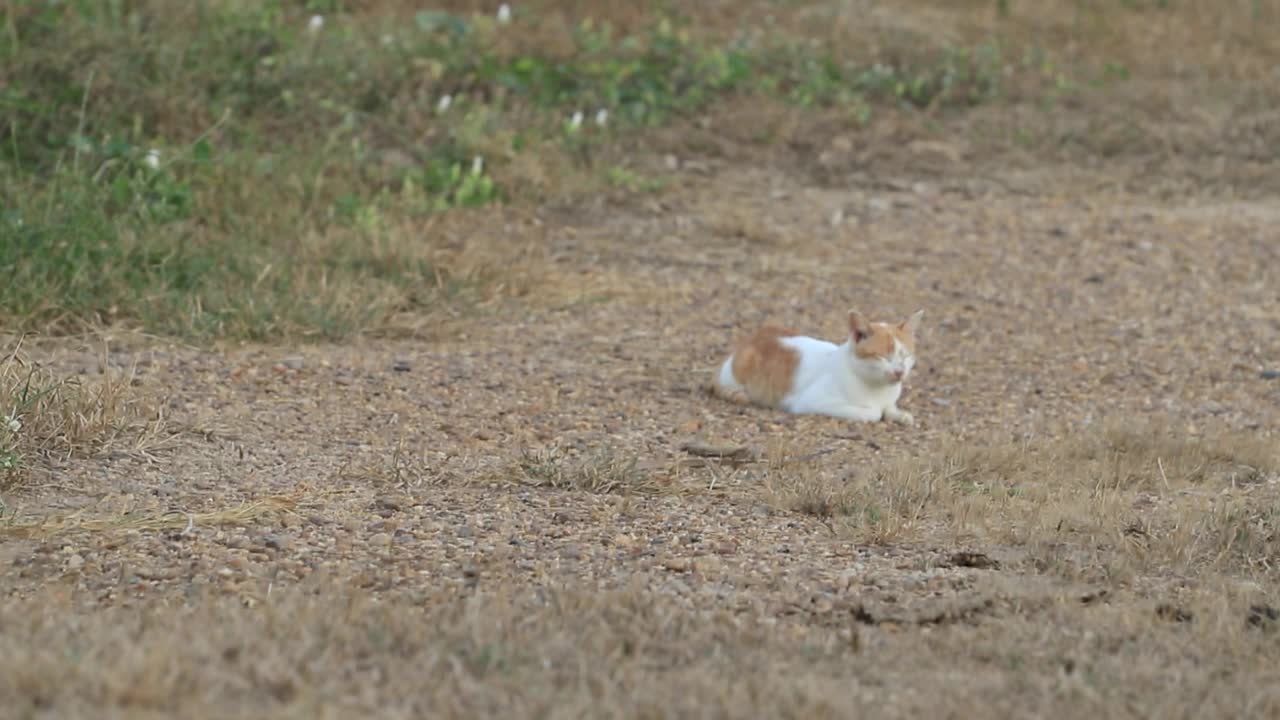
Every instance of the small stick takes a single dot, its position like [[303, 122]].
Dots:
[[716, 451]]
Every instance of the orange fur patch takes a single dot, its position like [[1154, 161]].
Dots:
[[877, 344], [764, 366], [876, 339], [879, 341]]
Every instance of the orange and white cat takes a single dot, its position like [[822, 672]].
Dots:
[[860, 379]]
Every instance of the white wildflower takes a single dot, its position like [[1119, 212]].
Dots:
[[504, 14], [477, 165], [575, 122], [153, 158], [602, 117], [315, 23], [13, 424], [444, 103]]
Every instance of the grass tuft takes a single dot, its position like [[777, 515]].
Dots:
[[603, 471], [242, 514], [1149, 495], [47, 417]]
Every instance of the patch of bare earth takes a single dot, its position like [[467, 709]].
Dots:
[[535, 510], [508, 520]]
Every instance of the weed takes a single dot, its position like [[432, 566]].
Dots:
[[604, 471], [1035, 493], [45, 416]]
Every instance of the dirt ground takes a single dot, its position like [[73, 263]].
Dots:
[[503, 517]]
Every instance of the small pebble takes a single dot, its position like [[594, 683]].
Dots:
[[401, 366], [1271, 374], [380, 539], [293, 363]]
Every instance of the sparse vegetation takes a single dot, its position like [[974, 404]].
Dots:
[[602, 471], [1150, 498], [44, 416], [182, 522], [366, 345]]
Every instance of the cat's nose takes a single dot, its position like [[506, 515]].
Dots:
[[896, 374]]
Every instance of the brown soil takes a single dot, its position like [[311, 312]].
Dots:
[[504, 519]]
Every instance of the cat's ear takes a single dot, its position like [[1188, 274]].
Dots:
[[913, 323], [859, 326]]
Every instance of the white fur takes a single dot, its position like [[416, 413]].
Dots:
[[727, 381], [832, 380]]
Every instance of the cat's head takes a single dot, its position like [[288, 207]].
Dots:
[[883, 353]]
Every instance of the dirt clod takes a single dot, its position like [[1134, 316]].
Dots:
[[1263, 615]]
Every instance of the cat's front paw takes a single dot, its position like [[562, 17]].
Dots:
[[899, 416]]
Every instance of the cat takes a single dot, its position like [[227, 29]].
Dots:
[[860, 379]]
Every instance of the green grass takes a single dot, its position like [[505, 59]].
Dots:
[[227, 170]]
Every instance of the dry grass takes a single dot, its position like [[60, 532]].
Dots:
[[558, 654], [1099, 572], [604, 470], [478, 260], [1134, 498], [244, 514], [1076, 82], [632, 653], [52, 418]]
